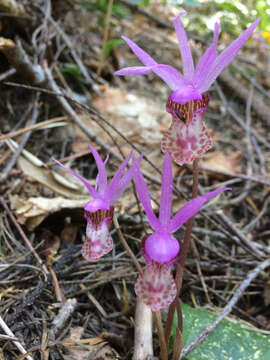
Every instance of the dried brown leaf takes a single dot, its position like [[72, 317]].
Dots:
[[45, 177], [33, 211], [217, 160]]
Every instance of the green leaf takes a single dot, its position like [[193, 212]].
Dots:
[[118, 10], [263, 8], [236, 8], [229, 341], [71, 70], [110, 44]]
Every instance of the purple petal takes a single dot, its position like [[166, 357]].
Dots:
[[227, 56], [188, 66], [134, 71], [191, 208], [167, 73], [145, 58], [144, 196], [166, 192], [172, 77], [206, 61], [90, 188], [118, 185], [102, 176]]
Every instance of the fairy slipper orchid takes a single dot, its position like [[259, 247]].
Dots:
[[187, 138], [156, 286], [99, 211]]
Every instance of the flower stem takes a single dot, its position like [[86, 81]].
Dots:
[[157, 315], [183, 255], [143, 343], [161, 336]]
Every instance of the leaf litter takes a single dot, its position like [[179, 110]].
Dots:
[[42, 197]]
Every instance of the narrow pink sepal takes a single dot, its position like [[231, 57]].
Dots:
[[134, 71], [145, 58], [98, 241], [172, 77], [188, 66], [119, 182], [89, 187], [102, 176], [204, 65], [191, 208], [227, 56], [166, 191], [156, 286], [144, 196]]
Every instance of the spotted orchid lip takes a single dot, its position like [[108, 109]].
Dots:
[[98, 241], [156, 286]]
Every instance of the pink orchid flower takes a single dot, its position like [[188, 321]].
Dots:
[[99, 211], [187, 138], [156, 286]]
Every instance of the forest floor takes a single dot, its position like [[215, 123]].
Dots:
[[42, 226]]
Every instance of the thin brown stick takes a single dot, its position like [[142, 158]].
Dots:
[[32, 127], [58, 292], [7, 73], [74, 55], [161, 336], [24, 237], [18, 58], [125, 245], [240, 235], [258, 179], [178, 342], [17, 152], [16, 343], [228, 308]]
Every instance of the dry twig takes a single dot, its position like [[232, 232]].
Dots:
[[12, 336]]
